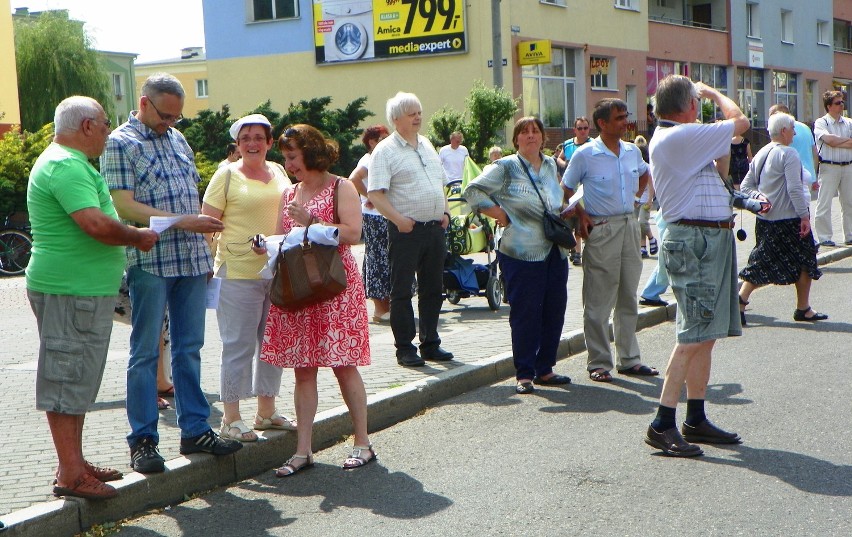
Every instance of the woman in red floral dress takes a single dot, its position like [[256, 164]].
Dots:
[[333, 333]]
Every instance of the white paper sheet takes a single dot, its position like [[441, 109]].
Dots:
[[214, 285], [162, 223]]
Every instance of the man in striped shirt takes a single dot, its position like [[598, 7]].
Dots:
[[833, 134], [150, 170]]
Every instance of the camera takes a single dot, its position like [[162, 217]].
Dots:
[[258, 241], [741, 201]]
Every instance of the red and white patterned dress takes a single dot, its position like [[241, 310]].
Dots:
[[333, 333]]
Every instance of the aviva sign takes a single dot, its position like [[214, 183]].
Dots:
[[533, 52]]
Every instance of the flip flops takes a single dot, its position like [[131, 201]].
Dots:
[[600, 375], [640, 370]]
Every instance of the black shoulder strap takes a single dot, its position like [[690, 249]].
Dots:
[[533, 182]]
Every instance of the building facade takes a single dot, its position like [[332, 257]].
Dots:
[[191, 69], [10, 113], [559, 56], [120, 70], [349, 49]]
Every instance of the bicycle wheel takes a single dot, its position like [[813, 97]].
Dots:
[[15, 247]]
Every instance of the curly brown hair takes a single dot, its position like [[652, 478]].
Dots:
[[318, 152]]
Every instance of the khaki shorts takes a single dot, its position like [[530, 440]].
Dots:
[[702, 269], [74, 336]]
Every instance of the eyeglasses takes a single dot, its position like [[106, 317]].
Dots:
[[260, 139], [165, 117], [838, 103], [581, 128], [291, 132], [106, 121]]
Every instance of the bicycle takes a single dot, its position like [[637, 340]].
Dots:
[[16, 244]]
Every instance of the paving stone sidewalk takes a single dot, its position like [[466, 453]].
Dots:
[[27, 458]]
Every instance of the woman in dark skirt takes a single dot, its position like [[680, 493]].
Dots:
[[785, 252]]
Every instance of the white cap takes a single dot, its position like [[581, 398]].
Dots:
[[251, 119]]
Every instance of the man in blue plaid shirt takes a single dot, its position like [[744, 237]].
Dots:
[[150, 170]]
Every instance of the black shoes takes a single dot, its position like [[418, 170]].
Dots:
[[652, 302], [707, 433], [801, 315], [409, 359], [555, 380], [437, 355], [209, 442], [144, 457], [671, 443]]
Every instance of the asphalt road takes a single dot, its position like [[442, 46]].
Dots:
[[572, 461]]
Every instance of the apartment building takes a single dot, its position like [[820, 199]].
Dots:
[[758, 52], [191, 69], [288, 50], [10, 113]]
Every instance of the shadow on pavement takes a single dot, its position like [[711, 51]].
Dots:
[[374, 487], [803, 472]]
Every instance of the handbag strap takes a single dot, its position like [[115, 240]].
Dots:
[[335, 218], [546, 210]]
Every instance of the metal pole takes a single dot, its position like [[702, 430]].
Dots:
[[496, 44]]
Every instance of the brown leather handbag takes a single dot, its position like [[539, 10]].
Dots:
[[308, 273]]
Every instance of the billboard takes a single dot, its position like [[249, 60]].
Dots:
[[366, 30]]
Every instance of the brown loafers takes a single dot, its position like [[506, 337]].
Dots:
[[671, 443], [707, 433]]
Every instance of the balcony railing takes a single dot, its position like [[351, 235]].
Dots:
[[686, 22]]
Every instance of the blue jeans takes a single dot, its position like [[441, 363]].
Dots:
[[658, 282], [186, 297]]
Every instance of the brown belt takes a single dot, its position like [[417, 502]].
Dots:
[[724, 224]]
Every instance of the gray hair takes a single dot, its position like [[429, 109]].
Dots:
[[72, 111], [496, 149], [400, 104], [160, 83], [674, 95], [779, 121]]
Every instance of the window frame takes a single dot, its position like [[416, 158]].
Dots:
[[787, 27], [753, 21], [611, 79], [558, 3], [630, 5], [823, 30], [252, 17], [117, 85], [198, 84], [536, 76]]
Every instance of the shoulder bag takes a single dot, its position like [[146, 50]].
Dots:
[[556, 230], [308, 273]]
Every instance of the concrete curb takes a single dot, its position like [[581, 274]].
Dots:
[[186, 476]]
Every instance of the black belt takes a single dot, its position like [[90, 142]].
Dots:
[[430, 223], [723, 224], [835, 163]]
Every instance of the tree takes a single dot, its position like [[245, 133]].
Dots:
[[207, 133], [18, 153], [55, 60], [487, 111], [340, 125]]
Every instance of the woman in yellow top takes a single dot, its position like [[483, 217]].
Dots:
[[246, 196]]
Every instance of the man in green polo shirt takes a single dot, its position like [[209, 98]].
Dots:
[[72, 283]]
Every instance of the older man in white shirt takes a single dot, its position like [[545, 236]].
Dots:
[[406, 184], [833, 134]]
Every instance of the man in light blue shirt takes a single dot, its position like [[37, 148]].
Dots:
[[613, 175]]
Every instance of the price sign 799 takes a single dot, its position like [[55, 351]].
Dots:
[[430, 12]]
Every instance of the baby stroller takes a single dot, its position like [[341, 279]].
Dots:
[[470, 232]]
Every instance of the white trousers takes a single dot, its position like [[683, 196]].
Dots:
[[833, 179]]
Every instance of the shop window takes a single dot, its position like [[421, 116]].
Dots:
[[602, 72]]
